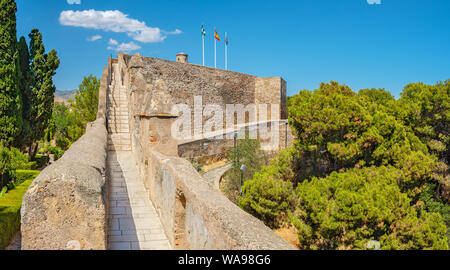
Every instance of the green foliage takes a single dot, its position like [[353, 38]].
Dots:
[[43, 67], [24, 175], [10, 99], [267, 197], [248, 153], [366, 167], [3, 191], [54, 150], [84, 107], [426, 108], [24, 139], [434, 204], [18, 159], [60, 125], [339, 130], [10, 205], [347, 210], [41, 160], [6, 169]]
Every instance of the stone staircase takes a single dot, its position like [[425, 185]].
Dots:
[[118, 128], [133, 223]]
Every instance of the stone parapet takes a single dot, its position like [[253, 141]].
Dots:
[[196, 216], [65, 207]]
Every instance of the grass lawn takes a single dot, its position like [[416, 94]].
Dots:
[[10, 205]]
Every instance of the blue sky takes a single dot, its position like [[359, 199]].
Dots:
[[363, 45]]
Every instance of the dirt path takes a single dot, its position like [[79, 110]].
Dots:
[[15, 242]]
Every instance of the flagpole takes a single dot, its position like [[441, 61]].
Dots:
[[203, 47], [226, 52], [215, 49]]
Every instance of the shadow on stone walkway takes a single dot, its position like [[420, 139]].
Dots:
[[133, 221]]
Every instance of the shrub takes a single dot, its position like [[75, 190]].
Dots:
[[10, 205], [19, 160], [41, 160], [6, 170], [56, 151], [347, 210], [267, 197], [24, 175], [3, 191]]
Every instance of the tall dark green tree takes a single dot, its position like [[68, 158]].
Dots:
[[10, 100], [25, 79], [43, 67]]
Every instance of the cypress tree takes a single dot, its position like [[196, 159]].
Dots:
[[25, 91], [43, 67], [10, 100]]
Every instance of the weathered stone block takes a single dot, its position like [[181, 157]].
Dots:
[[65, 207]]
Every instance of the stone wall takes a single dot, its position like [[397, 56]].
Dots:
[[65, 207], [272, 91], [155, 85], [196, 216], [212, 146]]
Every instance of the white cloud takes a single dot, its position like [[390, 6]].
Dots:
[[74, 2], [94, 38], [112, 42], [176, 32], [372, 2], [124, 47], [114, 21]]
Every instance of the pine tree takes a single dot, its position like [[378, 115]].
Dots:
[[43, 67], [10, 100]]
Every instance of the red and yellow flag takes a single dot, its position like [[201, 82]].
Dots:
[[216, 35]]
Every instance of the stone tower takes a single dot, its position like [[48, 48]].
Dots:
[[182, 58]]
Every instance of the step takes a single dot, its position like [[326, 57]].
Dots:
[[114, 111], [119, 147], [121, 107], [118, 130], [119, 144], [112, 98], [113, 122], [119, 136], [118, 124], [118, 117]]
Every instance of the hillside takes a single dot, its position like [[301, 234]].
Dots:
[[63, 96]]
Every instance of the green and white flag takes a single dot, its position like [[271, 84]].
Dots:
[[203, 31], [203, 43]]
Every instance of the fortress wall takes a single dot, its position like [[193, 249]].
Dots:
[[163, 83], [196, 216], [65, 207], [210, 147], [155, 85], [272, 91]]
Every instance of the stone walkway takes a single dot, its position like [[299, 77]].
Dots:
[[133, 221], [214, 176]]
